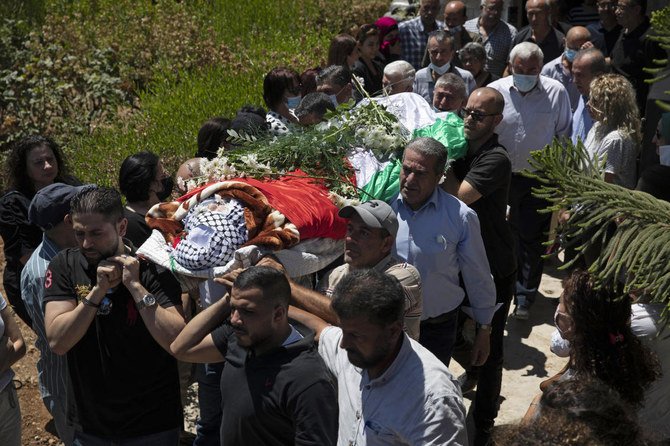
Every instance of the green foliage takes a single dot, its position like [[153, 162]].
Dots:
[[638, 250]]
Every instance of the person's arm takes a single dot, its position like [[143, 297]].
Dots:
[[66, 321], [164, 324], [12, 346], [450, 183], [309, 320], [195, 342], [467, 193]]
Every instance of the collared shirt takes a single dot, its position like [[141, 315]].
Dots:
[[555, 70], [424, 84], [416, 401], [51, 368], [533, 120], [413, 39], [581, 121], [407, 275], [443, 239], [498, 44]]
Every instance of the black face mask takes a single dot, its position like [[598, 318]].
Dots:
[[168, 185]]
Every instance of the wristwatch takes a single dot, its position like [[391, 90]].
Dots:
[[485, 327], [149, 300]]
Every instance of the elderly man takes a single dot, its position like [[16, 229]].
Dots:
[[371, 234], [481, 180], [441, 53], [495, 34], [454, 18], [440, 236], [335, 81], [391, 390], [537, 110], [450, 94], [114, 317], [588, 64], [541, 31], [398, 77], [560, 68], [47, 210], [274, 387], [414, 33]]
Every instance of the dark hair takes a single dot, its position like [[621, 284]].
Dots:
[[272, 282], [366, 31], [341, 47], [308, 81], [442, 36], [318, 103], [604, 345], [137, 173], [16, 167], [211, 136], [105, 201], [276, 83], [369, 293], [334, 74], [596, 404], [430, 147]]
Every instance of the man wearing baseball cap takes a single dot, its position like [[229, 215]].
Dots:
[[47, 210], [371, 233]]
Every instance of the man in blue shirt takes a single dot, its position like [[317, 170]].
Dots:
[[587, 65], [441, 237]]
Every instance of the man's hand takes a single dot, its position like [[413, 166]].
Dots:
[[228, 278], [481, 347], [108, 275], [271, 262], [130, 268]]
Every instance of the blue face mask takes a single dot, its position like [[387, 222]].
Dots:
[[292, 102], [440, 70], [569, 54], [333, 99], [524, 82]]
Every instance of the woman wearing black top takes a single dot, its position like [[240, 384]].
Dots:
[[367, 67], [33, 163]]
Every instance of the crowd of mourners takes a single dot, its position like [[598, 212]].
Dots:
[[358, 353]]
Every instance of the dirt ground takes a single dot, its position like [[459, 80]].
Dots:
[[528, 361]]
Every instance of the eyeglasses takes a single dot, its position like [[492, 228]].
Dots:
[[477, 116]]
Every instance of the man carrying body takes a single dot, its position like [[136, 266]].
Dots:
[[496, 35], [537, 110], [441, 52], [391, 390], [275, 388], [47, 210], [481, 180], [398, 77], [115, 318], [450, 94], [414, 33], [371, 233], [440, 236]]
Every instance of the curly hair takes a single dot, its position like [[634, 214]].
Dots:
[[604, 346], [613, 97], [16, 166]]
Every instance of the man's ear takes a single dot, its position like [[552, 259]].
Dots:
[[68, 219], [497, 119], [122, 226], [279, 313]]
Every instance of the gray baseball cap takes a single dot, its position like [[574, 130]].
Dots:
[[375, 214]]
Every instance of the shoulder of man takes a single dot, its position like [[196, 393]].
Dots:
[[406, 274]]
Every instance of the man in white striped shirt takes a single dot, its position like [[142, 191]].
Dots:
[[47, 210]]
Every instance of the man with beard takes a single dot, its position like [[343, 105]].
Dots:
[[391, 390], [275, 388], [114, 317]]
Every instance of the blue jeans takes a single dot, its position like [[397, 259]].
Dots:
[[208, 426], [165, 438], [439, 334]]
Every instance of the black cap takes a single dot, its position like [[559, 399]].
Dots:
[[51, 204]]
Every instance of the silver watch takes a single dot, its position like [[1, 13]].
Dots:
[[149, 300]]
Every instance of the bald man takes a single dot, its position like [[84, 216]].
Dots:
[[481, 180], [560, 68], [540, 30], [454, 18]]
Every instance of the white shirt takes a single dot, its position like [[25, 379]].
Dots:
[[531, 121], [618, 151], [416, 401]]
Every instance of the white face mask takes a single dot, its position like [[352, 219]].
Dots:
[[440, 70], [524, 82], [664, 155]]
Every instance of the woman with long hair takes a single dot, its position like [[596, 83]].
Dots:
[[367, 66], [281, 93], [615, 136]]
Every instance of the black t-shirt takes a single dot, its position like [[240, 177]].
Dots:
[[137, 230], [284, 397], [490, 172], [552, 46], [124, 383]]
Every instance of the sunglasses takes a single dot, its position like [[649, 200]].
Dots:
[[476, 115]]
